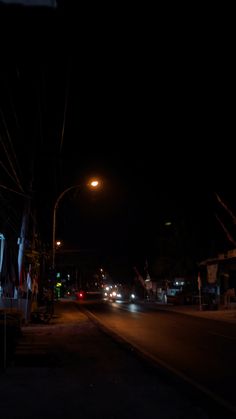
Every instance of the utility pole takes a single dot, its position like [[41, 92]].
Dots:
[[22, 240], [24, 229]]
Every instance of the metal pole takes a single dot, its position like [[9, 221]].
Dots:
[[54, 227], [54, 241], [53, 236], [5, 341], [200, 300], [54, 221], [199, 289]]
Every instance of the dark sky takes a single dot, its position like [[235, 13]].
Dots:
[[134, 115]]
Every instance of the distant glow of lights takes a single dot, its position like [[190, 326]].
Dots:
[[168, 223], [58, 243]]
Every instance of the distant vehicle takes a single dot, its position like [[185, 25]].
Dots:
[[68, 294], [180, 292], [115, 296], [119, 296], [80, 295], [88, 295]]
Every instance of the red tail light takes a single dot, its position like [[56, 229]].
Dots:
[[80, 295]]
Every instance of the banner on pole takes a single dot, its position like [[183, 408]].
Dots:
[[212, 273], [199, 281]]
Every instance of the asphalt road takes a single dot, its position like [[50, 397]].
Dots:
[[200, 351], [71, 368]]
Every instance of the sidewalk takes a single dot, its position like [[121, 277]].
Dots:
[[222, 314]]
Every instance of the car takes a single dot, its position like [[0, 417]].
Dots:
[[115, 296], [80, 295]]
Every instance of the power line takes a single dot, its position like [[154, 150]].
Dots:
[[232, 215], [6, 206], [12, 190], [40, 120], [12, 226], [8, 156], [9, 174], [64, 116], [228, 235]]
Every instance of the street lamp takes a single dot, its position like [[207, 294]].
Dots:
[[92, 184]]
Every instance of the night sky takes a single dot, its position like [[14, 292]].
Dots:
[[131, 115]]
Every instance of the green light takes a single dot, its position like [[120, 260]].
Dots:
[[58, 275]]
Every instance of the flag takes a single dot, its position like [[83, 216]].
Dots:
[[28, 280], [139, 277], [199, 281]]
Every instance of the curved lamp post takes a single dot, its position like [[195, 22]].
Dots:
[[93, 184]]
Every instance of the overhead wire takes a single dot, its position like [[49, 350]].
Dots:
[[223, 204], [6, 170], [15, 179], [14, 219], [8, 212], [64, 115], [13, 227], [228, 235], [8, 155], [12, 190], [16, 122], [11, 101], [40, 120], [9, 220]]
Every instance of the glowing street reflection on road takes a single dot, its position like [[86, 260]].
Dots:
[[133, 308]]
